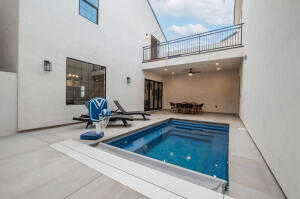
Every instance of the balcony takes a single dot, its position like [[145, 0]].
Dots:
[[207, 42]]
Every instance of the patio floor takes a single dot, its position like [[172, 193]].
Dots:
[[30, 168]]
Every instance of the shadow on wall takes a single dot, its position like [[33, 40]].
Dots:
[[8, 105]]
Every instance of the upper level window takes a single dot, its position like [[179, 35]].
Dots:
[[89, 9]]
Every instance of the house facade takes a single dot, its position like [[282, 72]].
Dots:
[[33, 32]]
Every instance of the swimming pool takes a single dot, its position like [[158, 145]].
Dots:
[[197, 146]]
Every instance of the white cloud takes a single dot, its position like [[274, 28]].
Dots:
[[189, 29], [215, 12]]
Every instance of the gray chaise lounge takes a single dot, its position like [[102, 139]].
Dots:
[[120, 110]]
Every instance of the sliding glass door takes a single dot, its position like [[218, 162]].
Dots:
[[153, 95]]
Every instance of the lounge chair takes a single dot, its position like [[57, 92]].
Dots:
[[95, 108], [122, 111], [114, 117]]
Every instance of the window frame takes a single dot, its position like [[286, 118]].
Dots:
[[105, 80], [93, 6]]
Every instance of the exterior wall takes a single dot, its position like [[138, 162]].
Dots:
[[270, 86], [238, 11], [115, 43], [223, 54], [219, 89], [9, 35], [8, 105], [154, 76]]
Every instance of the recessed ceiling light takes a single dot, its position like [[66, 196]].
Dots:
[[218, 68], [217, 64]]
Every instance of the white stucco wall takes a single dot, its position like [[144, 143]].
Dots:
[[270, 86], [154, 76], [9, 35], [238, 11], [54, 30], [219, 91], [8, 103]]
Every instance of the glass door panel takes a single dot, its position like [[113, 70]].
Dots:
[[155, 98], [160, 92], [146, 96], [153, 95]]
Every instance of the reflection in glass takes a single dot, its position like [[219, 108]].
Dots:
[[84, 81], [153, 95]]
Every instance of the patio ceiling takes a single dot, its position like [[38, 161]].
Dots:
[[208, 66]]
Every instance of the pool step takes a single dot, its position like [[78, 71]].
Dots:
[[191, 135], [200, 126], [139, 143]]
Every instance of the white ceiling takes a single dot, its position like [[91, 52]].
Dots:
[[210, 66]]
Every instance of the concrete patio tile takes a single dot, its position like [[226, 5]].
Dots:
[[244, 192], [18, 144], [253, 175], [51, 136], [17, 166], [104, 187], [128, 193], [241, 145], [45, 173]]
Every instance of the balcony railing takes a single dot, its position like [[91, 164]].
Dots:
[[215, 40]]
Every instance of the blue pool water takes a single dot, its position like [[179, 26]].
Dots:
[[201, 147]]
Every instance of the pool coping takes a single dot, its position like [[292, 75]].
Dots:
[[212, 183]]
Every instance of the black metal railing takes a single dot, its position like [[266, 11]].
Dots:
[[215, 40]]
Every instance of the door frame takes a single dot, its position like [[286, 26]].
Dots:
[[154, 47], [159, 105]]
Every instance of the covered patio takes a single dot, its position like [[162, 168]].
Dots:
[[211, 86]]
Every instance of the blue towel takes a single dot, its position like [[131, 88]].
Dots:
[[98, 108]]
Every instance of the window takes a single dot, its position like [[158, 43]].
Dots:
[[84, 81], [89, 9]]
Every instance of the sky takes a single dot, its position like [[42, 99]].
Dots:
[[180, 18]]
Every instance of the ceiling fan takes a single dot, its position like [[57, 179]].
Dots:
[[191, 72]]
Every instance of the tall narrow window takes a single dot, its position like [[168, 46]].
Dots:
[[84, 81], [89, 9]]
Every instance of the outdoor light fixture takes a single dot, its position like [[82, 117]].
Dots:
[[147, 36], [47, 66], [128, 80], [190, 74]]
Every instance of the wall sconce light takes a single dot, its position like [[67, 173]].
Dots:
[[128, 80], [47, 66], [147, 36]]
